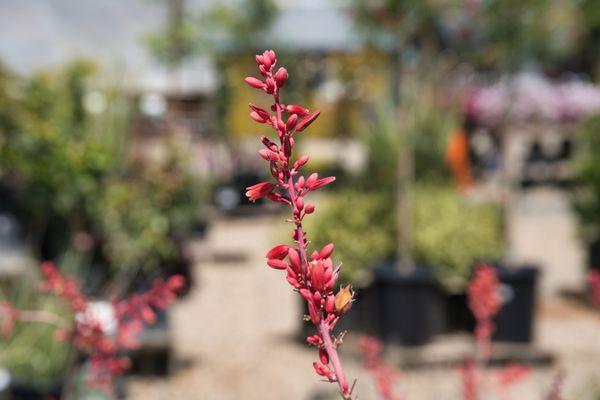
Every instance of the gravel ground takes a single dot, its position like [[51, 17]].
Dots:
[[234, 334]]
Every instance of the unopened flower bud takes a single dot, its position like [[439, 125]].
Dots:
[[307, 121], [323, 356], [291, 122], [270, 86], [295, 109], [278, 252], [294, 258], [300, 203], [277, 264], [255, 83], [326, 250], [255, 116], [300, 162], [309, 209], [281, 76], [344, 299]]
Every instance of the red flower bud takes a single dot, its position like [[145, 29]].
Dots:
[[317, 276], [326, 251], [281, 76], [299, 203], [260, 111], [148, 315], [264, 153], [320, 183], [300, 162], [278, 252], [312, 179], [323, 356], [270, 54], [255, 83], [270, 86], [309, 209], [330, 304], [294, 259], [307, 121], [315, 317], [295, 109], [314, 339], [277, 264], [260, 60], [255, 116], [175, 283], [293, 281], [291, 122]]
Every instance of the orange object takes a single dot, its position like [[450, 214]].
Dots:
[[457, 156]]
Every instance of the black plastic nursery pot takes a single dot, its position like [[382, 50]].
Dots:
[[515, 321], [593, 256], [410, 306], [20, 390]]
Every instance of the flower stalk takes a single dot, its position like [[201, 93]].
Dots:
[[313, 276]]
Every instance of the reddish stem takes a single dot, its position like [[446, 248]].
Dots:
[[323, 329]]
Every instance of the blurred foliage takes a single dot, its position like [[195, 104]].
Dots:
[[188, 31], [450, 233], [501, 35], [362, 226], [586, 196], [31, 353], [146, 215], [427, 127], [69, 173]]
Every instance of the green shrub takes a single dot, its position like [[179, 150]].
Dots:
[[450, 233], [586, 196]]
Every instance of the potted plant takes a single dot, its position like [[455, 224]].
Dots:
[[586, 195]]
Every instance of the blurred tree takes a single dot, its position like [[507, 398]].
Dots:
[[64, 163]]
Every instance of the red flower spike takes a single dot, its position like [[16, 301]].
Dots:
[[281, 76], [302, 125], [277, 264], [314, 278], [294, 109], [259, 190], [279, 252], [255, 83]]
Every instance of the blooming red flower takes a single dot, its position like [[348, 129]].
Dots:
[[259, 190]]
